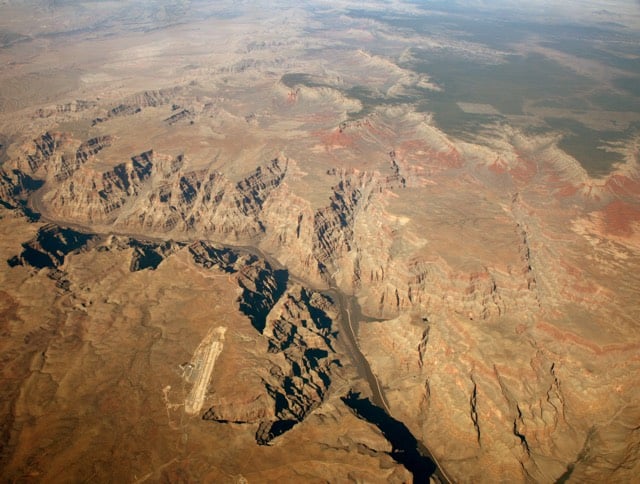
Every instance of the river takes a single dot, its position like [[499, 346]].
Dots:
[[350, 317]]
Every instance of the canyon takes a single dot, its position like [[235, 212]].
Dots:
[[246, 250]]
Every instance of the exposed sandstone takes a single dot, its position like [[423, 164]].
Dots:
[[297, 326], [126, 322], [490, 283]]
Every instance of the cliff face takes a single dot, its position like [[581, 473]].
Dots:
[[87, 150], [15, 187], [245, 242], [136, 103], [495, 343], [43, 149], [354, 241], [334, 225], [57, 155], [154, 192], [297, 325], [300, 338], [120, 307]]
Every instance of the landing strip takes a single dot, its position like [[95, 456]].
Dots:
[[204, 359]]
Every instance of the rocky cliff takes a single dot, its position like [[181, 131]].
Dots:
[[297, 324], [136, 103], [156, 193], [280, 370], [491, 339]]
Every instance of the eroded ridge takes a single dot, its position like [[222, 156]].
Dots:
[[404, 199]]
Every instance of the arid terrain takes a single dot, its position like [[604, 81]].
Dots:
[[321, 242]]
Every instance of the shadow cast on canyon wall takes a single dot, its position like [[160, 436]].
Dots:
[[406, 449]]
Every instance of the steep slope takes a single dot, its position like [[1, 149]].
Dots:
[[490, 283]]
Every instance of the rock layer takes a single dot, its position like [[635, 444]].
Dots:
[[496, 278]]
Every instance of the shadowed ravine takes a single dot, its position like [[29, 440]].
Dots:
[[406, 449]]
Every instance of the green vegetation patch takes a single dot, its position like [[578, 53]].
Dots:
[[586, 145]]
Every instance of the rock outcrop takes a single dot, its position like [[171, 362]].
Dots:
[[69, 165], [15, 187], [58, 155], [301, 337], [42, 151], [298, 327], [154, 192], [50, 246], [334, 225], [495, 279], [137, 102]]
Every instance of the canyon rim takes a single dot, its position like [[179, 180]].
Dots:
[[323, 241]]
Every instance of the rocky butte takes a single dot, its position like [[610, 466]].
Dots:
[[255, 243]]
